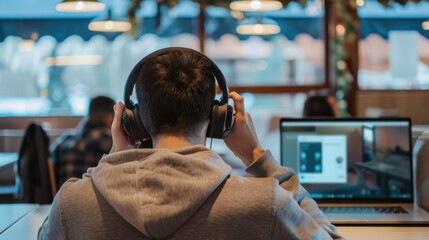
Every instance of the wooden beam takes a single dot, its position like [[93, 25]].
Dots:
[[202, 27]]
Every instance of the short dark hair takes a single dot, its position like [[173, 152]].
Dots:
[[99, 108], [175, 93], [317, 106]]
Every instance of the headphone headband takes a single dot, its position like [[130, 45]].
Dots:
[[134, 74]]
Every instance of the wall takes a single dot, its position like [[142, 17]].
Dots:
[[404, 103], [12, 129]]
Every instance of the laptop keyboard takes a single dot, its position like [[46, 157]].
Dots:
[[375, 210]]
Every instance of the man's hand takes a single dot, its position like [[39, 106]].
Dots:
[[242, 139], [120, 141]]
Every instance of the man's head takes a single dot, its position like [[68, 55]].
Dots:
[[317, 106], [175, 93], [101, 111]]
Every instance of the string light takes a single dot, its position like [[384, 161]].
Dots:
[[341, 30], [360, 3]]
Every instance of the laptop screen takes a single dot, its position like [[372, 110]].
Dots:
[[349, 159]]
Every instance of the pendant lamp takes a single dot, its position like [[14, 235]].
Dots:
[[74, 60], [109, 24], [80, 6], [255, 5], [258, 26], [425, 25]]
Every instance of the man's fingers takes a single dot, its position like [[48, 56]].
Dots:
[[238, 102], [118, 108], [250, 120]]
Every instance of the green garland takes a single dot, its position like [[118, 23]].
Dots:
[[343, 76]]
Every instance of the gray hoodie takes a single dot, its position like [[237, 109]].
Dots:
[[186, 193]]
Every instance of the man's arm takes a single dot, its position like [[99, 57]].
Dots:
[[297, 214], [52, 226], [242, 139]]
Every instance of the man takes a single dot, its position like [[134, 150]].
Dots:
[[181, 189], [318, 106], [75, 152]]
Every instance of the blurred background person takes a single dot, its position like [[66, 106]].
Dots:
[[74, 152], [318, 106], [332, 100]]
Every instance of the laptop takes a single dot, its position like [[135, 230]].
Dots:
[[359, 170]]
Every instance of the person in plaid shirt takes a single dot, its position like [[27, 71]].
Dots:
[[74, 152]]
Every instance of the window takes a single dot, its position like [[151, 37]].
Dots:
[[394, 46], [295, 56], [51, 64]]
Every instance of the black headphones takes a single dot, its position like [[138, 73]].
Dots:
[[221, 119]]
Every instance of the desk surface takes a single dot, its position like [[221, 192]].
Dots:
[[384, 232], [28, 226], [7, 158], [11, 213]]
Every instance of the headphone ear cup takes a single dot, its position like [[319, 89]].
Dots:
[[215, 129], [133, 126], [229, 119], [221, 121]]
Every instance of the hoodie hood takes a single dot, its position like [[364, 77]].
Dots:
[[158, 190]]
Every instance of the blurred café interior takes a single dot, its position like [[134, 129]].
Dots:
[[371, 55]]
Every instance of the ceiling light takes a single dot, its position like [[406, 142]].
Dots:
[[425, 25], [26, 45], [108, 24], [258, 26], [74, 60], [360, 3], [255, 5], [237, 15], [80, 6]]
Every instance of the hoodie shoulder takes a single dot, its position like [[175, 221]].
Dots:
[[87, 215]]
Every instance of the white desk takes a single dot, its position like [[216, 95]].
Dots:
[[12, 213], [28, 226], [7, 175]]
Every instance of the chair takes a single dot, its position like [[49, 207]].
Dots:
[[35, 177]]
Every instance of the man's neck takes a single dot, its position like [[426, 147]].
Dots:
[[177, 141]]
